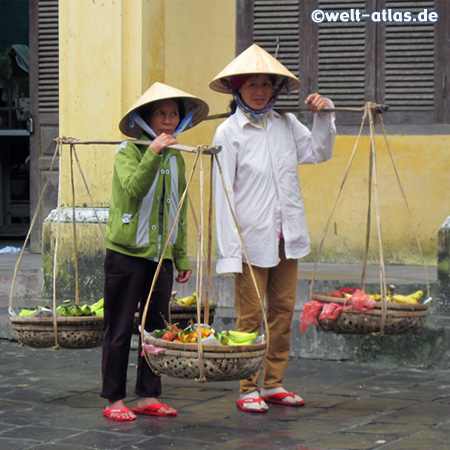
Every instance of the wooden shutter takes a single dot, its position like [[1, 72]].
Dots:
[[342, 56], [48, 55], [345, 59], [407, 66], [279, 21], [44, 85], [404, 65]]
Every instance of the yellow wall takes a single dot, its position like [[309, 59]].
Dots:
[[111, 51], [423, 166]]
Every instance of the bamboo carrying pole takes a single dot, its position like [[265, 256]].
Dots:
[[379, 108], [206, 150]]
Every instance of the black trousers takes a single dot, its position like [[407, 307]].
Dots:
[[127, 284]]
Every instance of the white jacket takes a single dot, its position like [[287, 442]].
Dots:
[[260, 171]]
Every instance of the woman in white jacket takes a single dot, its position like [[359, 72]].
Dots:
[[261, 150]]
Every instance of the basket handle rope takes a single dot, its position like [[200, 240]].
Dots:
[[336, 202], [158, 267], [200, 257], [209, 286], [74, 229], [408, 208], [99, 228], [374, 180], [30, 229]]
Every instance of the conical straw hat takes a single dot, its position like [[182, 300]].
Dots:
[[252, 61], [160, 91]]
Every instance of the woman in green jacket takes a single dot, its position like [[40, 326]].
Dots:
[[147, 185]]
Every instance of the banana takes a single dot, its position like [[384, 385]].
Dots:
[[405, 299], [241, 337], [187, 301], [417, 295]]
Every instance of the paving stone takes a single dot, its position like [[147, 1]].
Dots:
[[373, 405], [352, 441], [425, 413], [426, 440], [14, 444], [164, 443], [380, 427], [40, 433], [59, 446], [5, 427], [103, 440]]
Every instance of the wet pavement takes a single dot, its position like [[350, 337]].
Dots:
[[49, 400]]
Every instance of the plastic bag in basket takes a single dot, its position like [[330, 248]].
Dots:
[[331, 311], [361, 302], [309, 315]]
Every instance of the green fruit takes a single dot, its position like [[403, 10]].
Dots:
[[98, 305], [27, 312], [86, 310], [242, 336], [63, 310], [74, 310]]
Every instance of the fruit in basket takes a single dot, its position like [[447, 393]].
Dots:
[[190, 300], [169, 336], [190, 334], [411, 299], [97, 308], [25, 312], [233, 337], [170, 333]]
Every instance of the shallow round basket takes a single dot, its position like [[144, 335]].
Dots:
[[399, 319], [73, 332], [221, 363]]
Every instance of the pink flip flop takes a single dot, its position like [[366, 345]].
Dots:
[[280, 399], [119, 414], [243, 405], [155, 409]]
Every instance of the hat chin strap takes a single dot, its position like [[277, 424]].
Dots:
[[257, 114], [136, 119]]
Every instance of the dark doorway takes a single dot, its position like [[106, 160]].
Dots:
[[14, 119]]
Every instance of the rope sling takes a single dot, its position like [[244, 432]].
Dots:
[[202, 299], [371, 113]]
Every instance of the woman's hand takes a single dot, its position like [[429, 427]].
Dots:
[[183, 276], [161, 142], [316, 102]]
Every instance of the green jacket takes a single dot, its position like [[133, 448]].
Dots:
[[146, 190]]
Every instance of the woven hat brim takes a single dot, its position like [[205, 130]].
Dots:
[[254, 61], [156, 93]]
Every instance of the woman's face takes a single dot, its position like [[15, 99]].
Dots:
[[164, 117], [257, 91]]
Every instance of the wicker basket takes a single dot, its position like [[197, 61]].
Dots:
[[73, 332], [221, 363], [399, 318]]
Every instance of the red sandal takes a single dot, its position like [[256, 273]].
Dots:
[[280, 399], [155, 409], [119, 414], [245, 405]]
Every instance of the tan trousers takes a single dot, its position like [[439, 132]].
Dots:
[[278, 285]]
